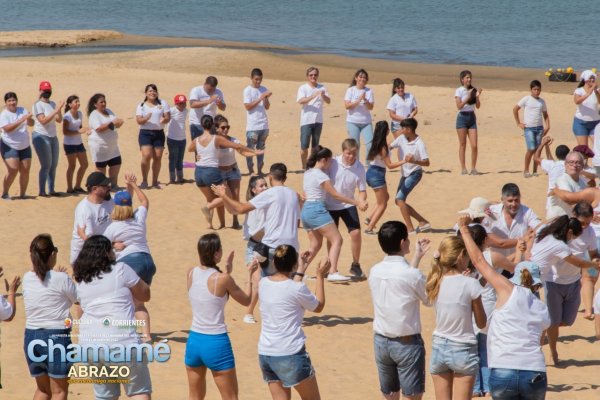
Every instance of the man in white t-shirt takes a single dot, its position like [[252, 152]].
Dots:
[[397, 288], [281, 205], [570, 181], [347, 174], [552, 167], [311, 97], [204, 100], [256, 102], [92, 214]]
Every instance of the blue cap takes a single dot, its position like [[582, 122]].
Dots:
[[123, 198], [533, 269]]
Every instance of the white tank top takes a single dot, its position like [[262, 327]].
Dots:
[[515, 330], [378, 162], [209, 155], [227, 155], [208, 310]]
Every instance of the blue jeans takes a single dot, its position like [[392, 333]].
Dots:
[[482, 380], [47, 150], [355, 131], [176, 153], [533, 137], [256, 140], [512, 384], [408, 183]]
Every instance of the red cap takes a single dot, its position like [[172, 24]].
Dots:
[[45, 85], [180, 98]]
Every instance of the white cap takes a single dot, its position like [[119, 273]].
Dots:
[[478, 208], [587, 74]]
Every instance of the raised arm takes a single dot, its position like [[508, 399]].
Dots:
[[132, 187], [421, 247]]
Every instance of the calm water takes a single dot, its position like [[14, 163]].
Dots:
[[534, 33]]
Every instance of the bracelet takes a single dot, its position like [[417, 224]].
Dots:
[[111, 126], [300, 274]]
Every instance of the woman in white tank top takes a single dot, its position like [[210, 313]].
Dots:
[[515, 358], [208, 345]]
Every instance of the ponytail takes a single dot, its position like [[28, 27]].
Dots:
[[526, 278], [40, 250], [444, 259], [318, 154], [434, 280]]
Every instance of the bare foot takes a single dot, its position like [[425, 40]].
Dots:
[[589, 317], [555, 359]]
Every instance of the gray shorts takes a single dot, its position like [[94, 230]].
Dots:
[[563, 302], [400, 364], [139, 379]]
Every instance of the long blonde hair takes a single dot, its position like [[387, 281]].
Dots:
[[444, 260]]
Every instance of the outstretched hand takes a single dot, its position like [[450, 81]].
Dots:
[[422, 246], [13, 285], [323, 268], [464, 220], [219, 190]]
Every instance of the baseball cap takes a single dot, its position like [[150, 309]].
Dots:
[[477, 208], [97, 179], [45, 85], [533, 269], [123, 198], [180, 98]]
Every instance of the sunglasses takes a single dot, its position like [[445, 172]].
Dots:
[[313, 74], [225, 127]]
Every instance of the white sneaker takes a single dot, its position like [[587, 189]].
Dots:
[[249, 319], [337, 277]]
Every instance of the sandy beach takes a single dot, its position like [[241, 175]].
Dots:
[[340, 338]]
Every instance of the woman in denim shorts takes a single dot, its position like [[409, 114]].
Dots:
[[586, 97], [282, 355], [48, 296], [457, 298], [73, 145], [467, 100], [379, 158]]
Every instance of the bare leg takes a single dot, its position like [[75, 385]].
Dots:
[[587, 293], [333, 236], [71, 164], [405, 211], [147, 152], [416, 215], [210, 196], [316, 241], [304, 157], [473, 142], [463, 387], [462, 147], [24, 168], [196, 383], [355, 243], [381, 198], [583, 140], [227, 384], [254, 299], [12, 168], [156, 164], [278, 392], [221, 216], [552, 333], [59, 388], [142, 314], [234, 187], [528, 155], [113, 174], [43, 390], [83, 166], [442, 384], [308, 389]]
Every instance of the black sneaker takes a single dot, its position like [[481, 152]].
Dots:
[[357, 271]]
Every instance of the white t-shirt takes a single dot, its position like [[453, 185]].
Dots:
[[345, 179], [18, 138], [104, 145], [281, 215], [256, 117], [359, 114], [108, 298], [416, 148], [402, 106], [533, 110], [588, 109], [41, 107], [131, 232], [524, 220], [554, 169], [565, 273], [313, 178], [453, 311], [597, 302], [6, 309], [254, 223], [73, 124], [47, 303], [95, 218], [596, 159], [282, 306], [176, 127], [198, 93], [463, 94], [548, 254], [565, 182], [312, 112], [157, 112]]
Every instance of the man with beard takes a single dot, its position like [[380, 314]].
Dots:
[[92, 214]]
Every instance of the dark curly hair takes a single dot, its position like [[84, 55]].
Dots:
[[95, 258]]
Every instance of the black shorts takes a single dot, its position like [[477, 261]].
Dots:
[[348, 215], [111, 163]]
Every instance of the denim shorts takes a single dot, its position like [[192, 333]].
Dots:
[[395, 126], [348, 215], [310, 133], [400, 364], [450, 356], [593, 272], [314, 215], [9, 152], [139, 378], [466, 120], [584, 128], [57, 369], [533, 137], [142, 264], [151, 137], [196, 130], [408, 183], [563, 302], [250, 251], [375, 177], [73, 148], [509, 384], [110, 163], [232, 174], [211, 351], [206, 176], [289, 370]]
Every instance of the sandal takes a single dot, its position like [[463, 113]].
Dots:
[[370, 232]]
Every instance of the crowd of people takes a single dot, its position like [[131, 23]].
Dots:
[[484, 283]]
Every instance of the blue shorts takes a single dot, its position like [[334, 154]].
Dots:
[[289, 370], [518, 384], [533, 137], [466, 120], [232, 174], [211, 351], [142, 264], [395, 126], [584, 128], [57, 369], [400, 364], [314, 215], [563, 302], [310, 133], [408, 183], [9, 152], [110, 163], [73, 148], [450, 356], [150, 137], [206, 176], [196, 130], [375, 177]]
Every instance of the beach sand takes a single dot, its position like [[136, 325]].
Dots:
[[340, 338]]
